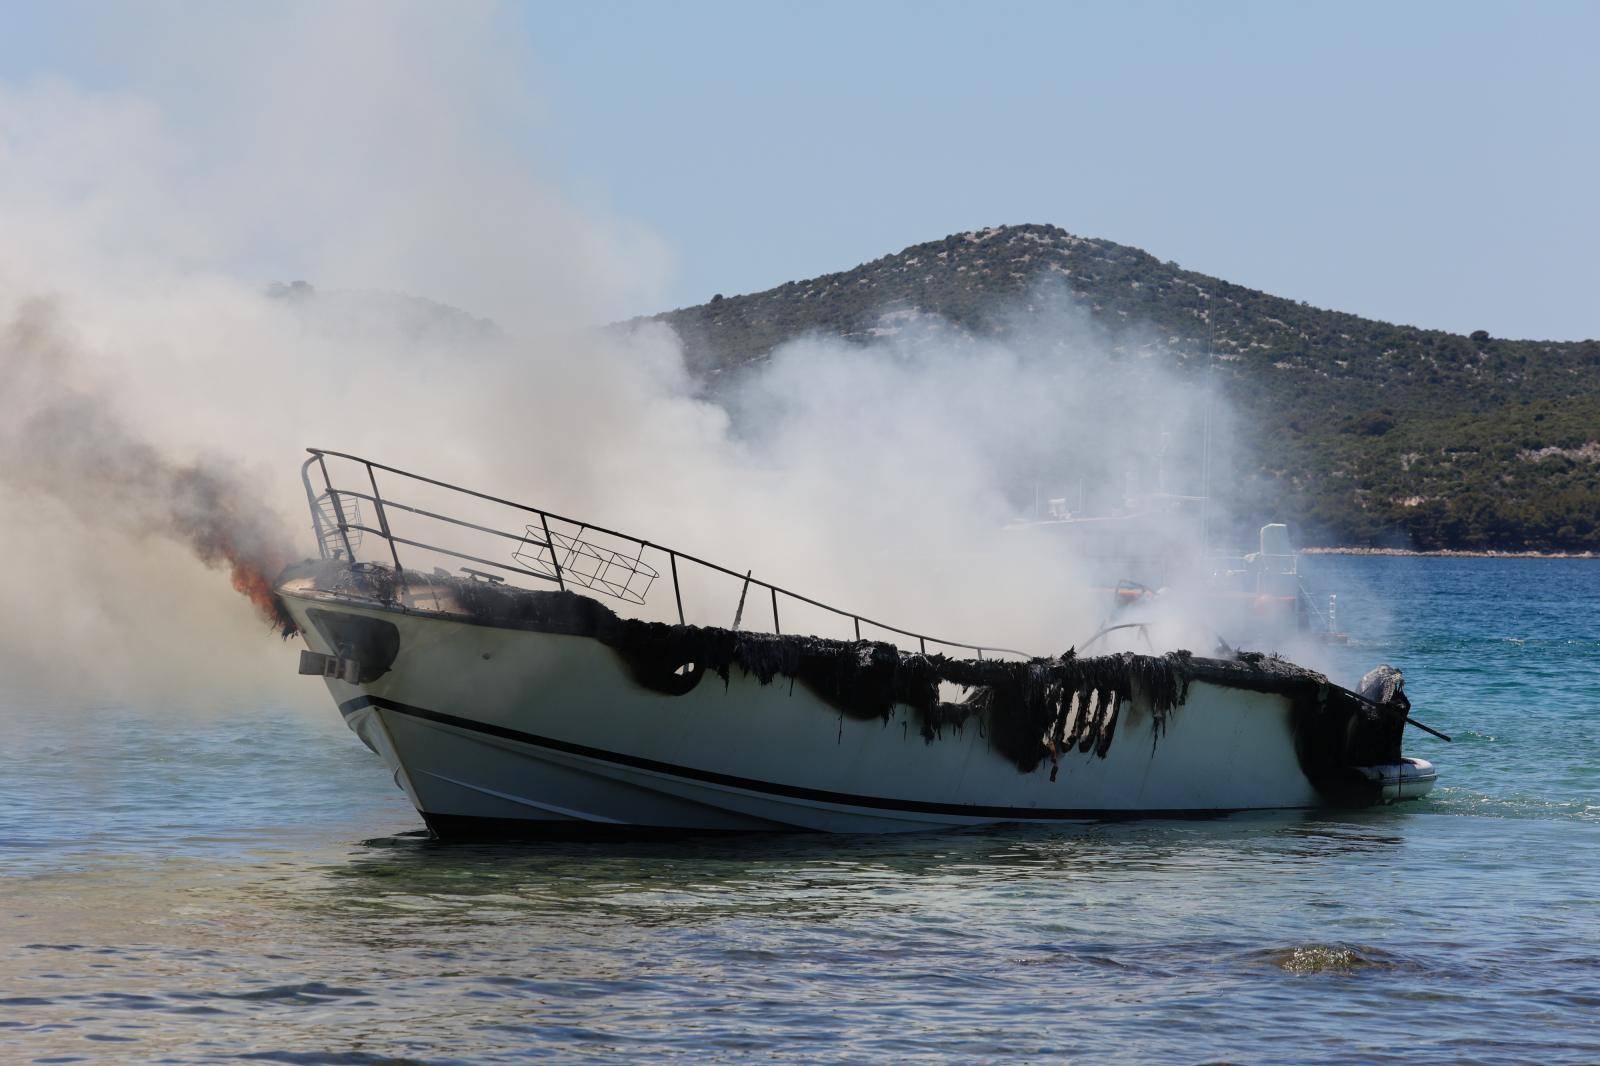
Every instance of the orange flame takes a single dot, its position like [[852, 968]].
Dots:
[[250, 581]]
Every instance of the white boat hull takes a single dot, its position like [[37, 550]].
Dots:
[[500, 729]]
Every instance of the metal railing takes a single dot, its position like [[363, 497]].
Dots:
[[561, 555]]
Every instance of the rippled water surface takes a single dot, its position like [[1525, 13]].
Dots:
[[247, 884]]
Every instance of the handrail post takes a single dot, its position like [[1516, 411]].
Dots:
[[338, 507], [316, 512], [551, 544], [677, 594], [739, 611], [775, 630], [857, 620], [383, 524]]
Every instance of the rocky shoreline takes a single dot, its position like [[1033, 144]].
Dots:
[[1451, 553]]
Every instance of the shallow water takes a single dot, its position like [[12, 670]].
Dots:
[[247, 884]]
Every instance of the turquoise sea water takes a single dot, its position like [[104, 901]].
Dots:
[[247, 884]]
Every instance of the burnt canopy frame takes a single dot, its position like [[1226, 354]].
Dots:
[[563, 576]]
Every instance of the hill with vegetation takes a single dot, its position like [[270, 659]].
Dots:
[[1357, 432]]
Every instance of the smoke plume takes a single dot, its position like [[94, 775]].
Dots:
[[158, 392], [71, 446]]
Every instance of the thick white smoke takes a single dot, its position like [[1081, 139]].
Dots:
[[384, 149]]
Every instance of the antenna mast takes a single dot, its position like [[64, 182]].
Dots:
[[1205, 454]]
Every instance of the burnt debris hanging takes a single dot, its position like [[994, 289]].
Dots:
[[1030, 712]]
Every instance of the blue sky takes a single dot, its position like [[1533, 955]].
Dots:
[[1426, 163]]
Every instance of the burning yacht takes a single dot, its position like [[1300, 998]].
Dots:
[[505, 696]]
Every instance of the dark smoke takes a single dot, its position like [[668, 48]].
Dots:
[[69, 444]]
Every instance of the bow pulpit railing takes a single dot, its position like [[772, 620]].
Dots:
[[436, 521]]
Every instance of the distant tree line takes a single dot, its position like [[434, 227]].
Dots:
[[1361, 432]]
